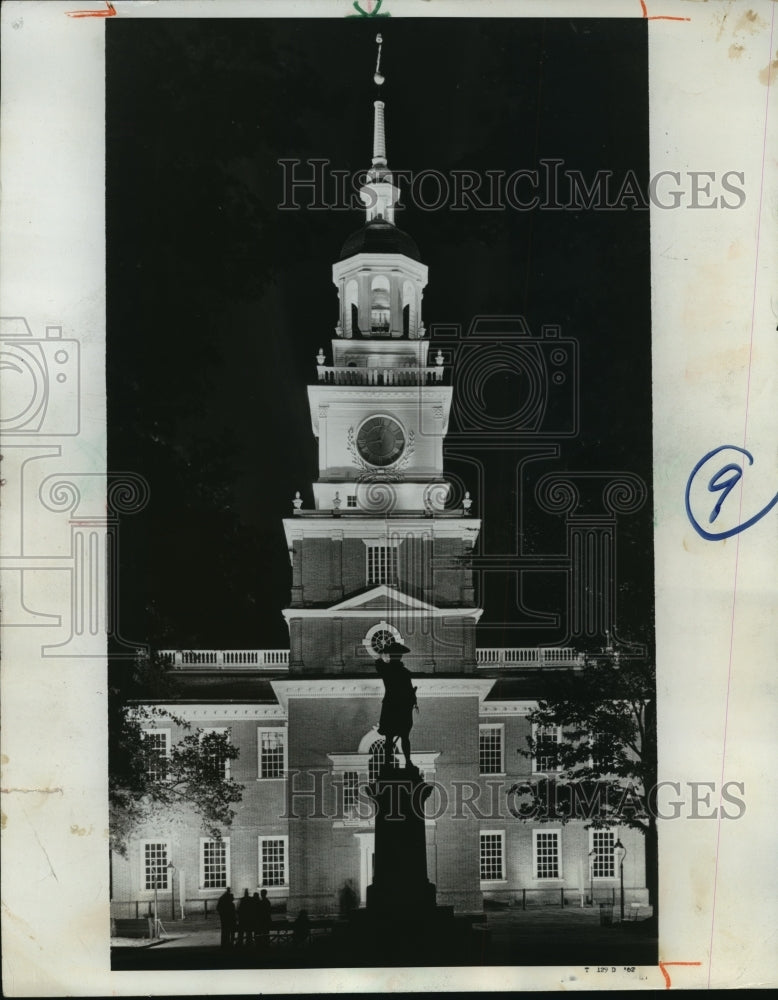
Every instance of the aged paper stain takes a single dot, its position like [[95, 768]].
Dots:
[[736, 51], [37, 791], [768, 74], [750, 22], [80, 831]]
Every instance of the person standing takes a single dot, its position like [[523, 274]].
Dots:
[[264, 920], [225, 907], [245, 921]]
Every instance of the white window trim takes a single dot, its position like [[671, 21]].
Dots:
[[544, 770], [167, 733], [285, 734], [382, 543], [486, 882], [501, 727], [547, 879], [260, 840], [603, 878], [379, 627], [149, 893], [201, 883], [220, 729]]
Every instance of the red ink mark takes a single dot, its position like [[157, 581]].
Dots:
[[663, 967], [659, 17], [110, 12]]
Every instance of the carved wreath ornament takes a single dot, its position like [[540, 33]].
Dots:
[[371, 473]]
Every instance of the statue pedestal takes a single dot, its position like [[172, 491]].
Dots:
[[400, 886], [401, 924]]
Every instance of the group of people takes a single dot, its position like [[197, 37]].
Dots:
[[248, 923]]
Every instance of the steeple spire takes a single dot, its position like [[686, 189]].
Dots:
[[379, 193], [379, 132]]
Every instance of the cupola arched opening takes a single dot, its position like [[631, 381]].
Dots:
[[380, 313]]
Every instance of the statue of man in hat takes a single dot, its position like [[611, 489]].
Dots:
[[399, 700]]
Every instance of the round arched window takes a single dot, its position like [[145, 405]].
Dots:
[[380, 636], [376, 759]]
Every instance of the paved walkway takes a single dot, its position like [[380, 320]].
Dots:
[[537, 936]]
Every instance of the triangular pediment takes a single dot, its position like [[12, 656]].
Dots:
[[381, 598]]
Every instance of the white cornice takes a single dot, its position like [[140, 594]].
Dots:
[[423, 759], [364, 399], [379, 262], [373, 687], [219, 712], [354, 526], [492, 708], [389, 611]]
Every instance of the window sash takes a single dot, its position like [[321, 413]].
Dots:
[[604, 862], [220, 766], [273, 861], [490, 749], [350, 791], [382, 564], [547, 740], [156, 748], [272, 752], [547, 861], [155, 864], [492, 856], [214, 864]]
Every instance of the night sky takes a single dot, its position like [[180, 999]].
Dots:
[[218, 300]]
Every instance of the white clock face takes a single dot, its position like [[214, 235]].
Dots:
[[380, 441]]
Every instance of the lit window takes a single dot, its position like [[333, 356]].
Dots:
[[382, 564], [492, 853], [379, 305], [216, 762], [272, 752], [603, 862], [490, 749], [379, 636], [272, 861], [376, 759], [154, 858], [547, 740], [350, 791], [156, 750], [545, 849], [214, 864]]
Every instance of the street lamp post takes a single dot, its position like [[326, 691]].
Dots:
[[620, 852], [172, 870], [592, 856]]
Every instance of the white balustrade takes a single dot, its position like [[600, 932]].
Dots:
[[347, 375], [229, 658]]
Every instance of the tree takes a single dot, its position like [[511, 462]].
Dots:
[[606, 761], [148, 782]]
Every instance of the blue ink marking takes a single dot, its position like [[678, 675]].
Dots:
[[726, 486], [718, 484]]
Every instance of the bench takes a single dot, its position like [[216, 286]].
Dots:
[[131, 927]]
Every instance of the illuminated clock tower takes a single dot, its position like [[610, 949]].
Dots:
[[381, 556]]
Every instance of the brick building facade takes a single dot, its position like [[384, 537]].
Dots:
[[382, 556]]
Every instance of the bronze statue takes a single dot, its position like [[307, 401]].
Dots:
[[399, 701]]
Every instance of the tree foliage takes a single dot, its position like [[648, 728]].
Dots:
[[145, 784], [606, 759], [606, 714]]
